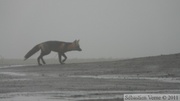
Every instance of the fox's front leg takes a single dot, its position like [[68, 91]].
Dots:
[[59, 54]]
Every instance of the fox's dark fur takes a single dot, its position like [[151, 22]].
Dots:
[[56, 46]]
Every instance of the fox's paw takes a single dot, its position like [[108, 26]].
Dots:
[[62, 63], [40, 64], [63, 60]]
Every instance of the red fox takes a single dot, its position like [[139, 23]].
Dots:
[[57, 46]]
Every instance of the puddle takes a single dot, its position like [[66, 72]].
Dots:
[[21, 79], [9, 66], [133, 77], [60, 96], [13, 74], [74, 95]]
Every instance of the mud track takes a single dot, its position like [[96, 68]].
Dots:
[[97, 81]]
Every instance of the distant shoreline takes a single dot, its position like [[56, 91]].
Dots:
[[33, 61]]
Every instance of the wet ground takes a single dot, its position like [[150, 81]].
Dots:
[[97, 81]]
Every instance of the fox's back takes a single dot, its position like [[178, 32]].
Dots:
[[55, 45]]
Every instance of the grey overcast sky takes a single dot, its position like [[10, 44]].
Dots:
[[106, 28]]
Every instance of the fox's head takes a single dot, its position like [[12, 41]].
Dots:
[[76, 45]]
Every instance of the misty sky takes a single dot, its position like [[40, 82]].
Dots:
[[106, 28]]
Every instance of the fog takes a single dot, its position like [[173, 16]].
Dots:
[[106, 28]]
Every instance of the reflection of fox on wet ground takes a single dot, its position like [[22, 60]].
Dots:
[[56, 46]]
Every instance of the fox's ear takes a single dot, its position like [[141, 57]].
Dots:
[[75, 41], [78, 41]]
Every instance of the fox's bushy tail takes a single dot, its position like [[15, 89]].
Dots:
[[32, 51]]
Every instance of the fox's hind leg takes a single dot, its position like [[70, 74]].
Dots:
[[43, 60], [65, 57], [38, 59], [60, 60], [43, 53]]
